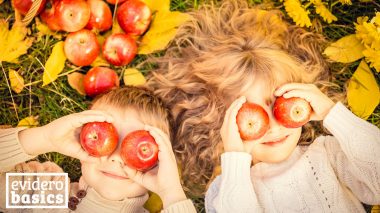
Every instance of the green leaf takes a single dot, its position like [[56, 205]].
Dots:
[[162, 31], [345, 50], [17, 82], [55, 64], [363, 93]]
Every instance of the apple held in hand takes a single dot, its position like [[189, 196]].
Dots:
[[23, 6], [99, 138], [139, 150], [48, 15], [119, 49], [134, 17], [292, 112], [252, 121], [101, 16], [72, 15], [81, 47], [99, 80]]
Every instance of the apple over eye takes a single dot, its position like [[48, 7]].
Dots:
[[252, 121], [139, 150], [292, 112], [99, 138]]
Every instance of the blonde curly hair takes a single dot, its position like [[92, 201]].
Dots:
[[215, 57]]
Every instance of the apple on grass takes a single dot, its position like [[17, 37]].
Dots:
[[48, 15], [99, 80], [139, 150], [292, 112], [134, 17], [101, 16], [252, 121], [99, 138], [72, 15], [119, 49], [23, 6], [81, 47]]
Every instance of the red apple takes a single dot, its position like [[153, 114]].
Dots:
[[72, 15], [134, 17], [101, 16], [292, 112], [23, 6], [119, 49], [81, 47], [99, 80], [139, 150], [48, 15], [99, 138], [114, 1], [252, 121]]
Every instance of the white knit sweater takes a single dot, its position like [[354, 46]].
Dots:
[[333, 174]]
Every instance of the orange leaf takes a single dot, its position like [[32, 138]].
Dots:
[[76, 82]]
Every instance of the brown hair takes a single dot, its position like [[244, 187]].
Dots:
[[216, 56]]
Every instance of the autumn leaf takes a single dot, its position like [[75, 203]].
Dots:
[[133, 77], [43, 30], [154, 203], [1, 1], [14, 42], [363, 93], [17, 82], [155, 5], [100, 61], [162, 30], [55, 64], [345, 50], [30, 121], [75, 80]]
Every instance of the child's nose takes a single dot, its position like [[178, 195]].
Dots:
[[274, 125], [115, 156]]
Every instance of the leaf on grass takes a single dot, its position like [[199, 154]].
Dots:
[[133, 77], [17, 82], [43, 30], [100, 61], [162, 31], [1, 1], [30, 121], [363, 93], [75, 80], [345, 50], [14, 42], [55, 64], [154, 203], [158, 5]]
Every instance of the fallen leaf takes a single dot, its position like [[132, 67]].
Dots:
[[133, 77], [55, 64], [17, 82], [14, 42], [162, 31], [158, 5], [363, 93], [345, 50], [75, 80], [30, 121], [43, 30], [1, 1], [100, 61], [154, 203]]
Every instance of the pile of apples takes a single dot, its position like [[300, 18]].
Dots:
[[83, 20]]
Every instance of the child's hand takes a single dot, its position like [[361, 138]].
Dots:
[[320, 103], [229, 130], [164, 178], [62, 135]]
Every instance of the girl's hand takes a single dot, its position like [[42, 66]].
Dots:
[[164, 178], [319, 102], [229, 130], [62, 135]]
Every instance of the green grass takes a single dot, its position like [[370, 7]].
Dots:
[[58, 99]]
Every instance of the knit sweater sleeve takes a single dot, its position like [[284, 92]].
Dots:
[[354, 153], [11, 151], [233, 191]]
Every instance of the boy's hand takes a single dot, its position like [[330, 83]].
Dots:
[[229, 130], [62, 135], [319, 102], [164, 178]]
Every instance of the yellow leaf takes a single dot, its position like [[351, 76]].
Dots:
[[154, 203], [162, 31], [345, 50], [363, 93], [30, 121], [100, 61], [375, 209], [17, 82], [158, 5], [115, 27], [133, 77], [55, 64], [13, 43], [43, 30], [1, 1], [75, 80]]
